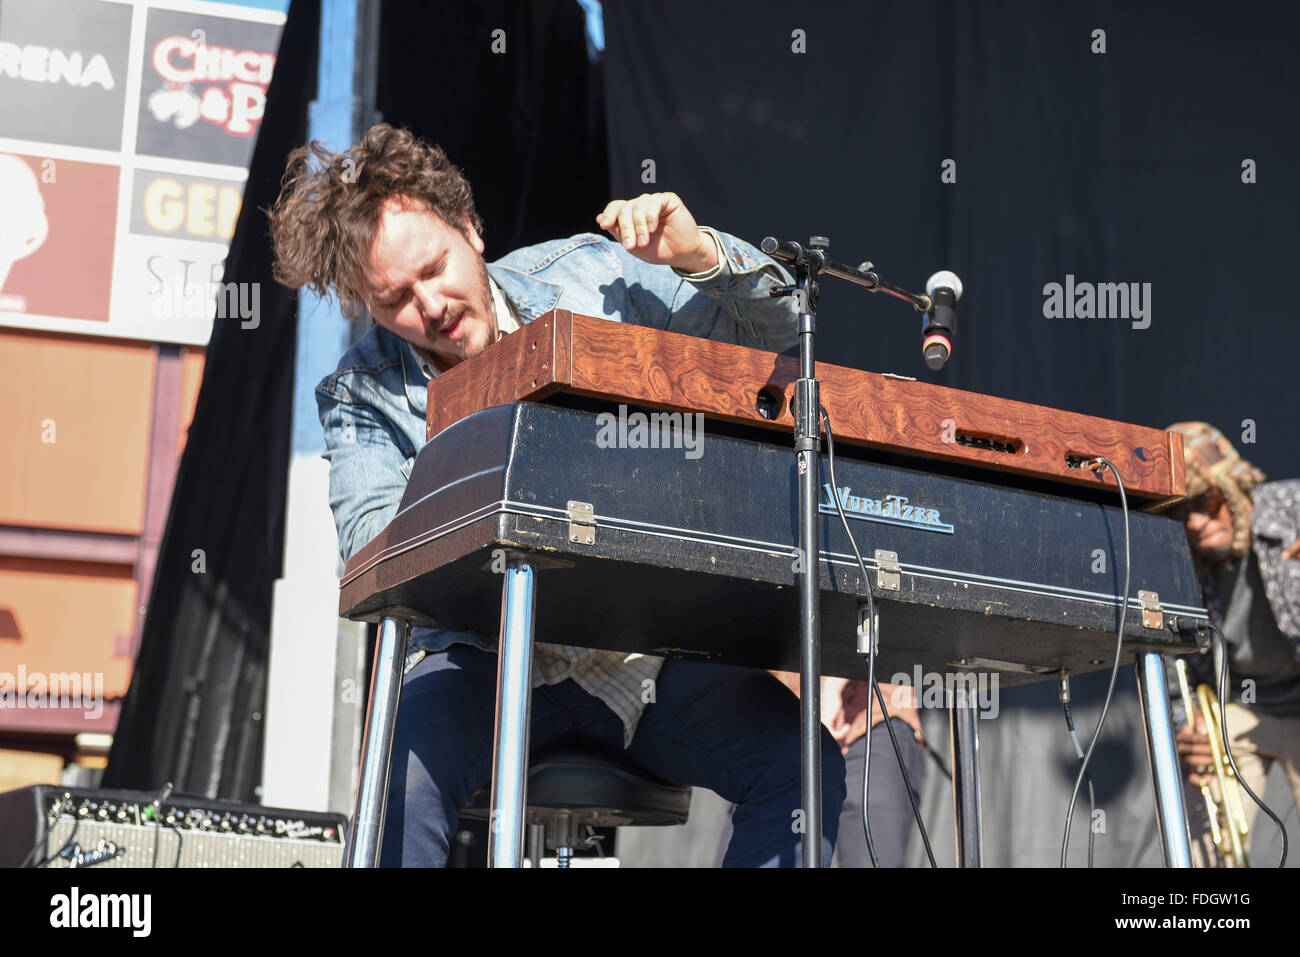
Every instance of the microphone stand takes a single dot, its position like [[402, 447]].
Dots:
[[808, 264]]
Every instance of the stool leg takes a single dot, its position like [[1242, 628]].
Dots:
[[536, 843], [367, 831], [564, 838], [513, 711], [1171, 814]]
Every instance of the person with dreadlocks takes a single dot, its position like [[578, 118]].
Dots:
[[1245, 539]]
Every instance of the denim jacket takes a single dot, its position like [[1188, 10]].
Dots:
[[373, 405]]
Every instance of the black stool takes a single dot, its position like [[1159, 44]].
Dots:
[[571, 789]]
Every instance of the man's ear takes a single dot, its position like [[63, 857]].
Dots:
[[472, 235]]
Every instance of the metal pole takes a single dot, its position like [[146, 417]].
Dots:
[[536, 843], [1171, 813], [807, 444], [965, 748], [513, 712], [366, 834]]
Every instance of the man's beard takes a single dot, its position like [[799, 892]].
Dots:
[[486, 310], [488, 305]]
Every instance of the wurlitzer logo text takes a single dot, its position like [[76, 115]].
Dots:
[[890, 510], [220, 85]]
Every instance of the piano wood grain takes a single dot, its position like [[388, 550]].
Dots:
[[623, 363]]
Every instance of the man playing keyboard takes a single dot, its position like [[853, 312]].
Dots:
[[390, 226]]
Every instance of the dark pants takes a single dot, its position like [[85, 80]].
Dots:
[[732, 730], [892, 823]]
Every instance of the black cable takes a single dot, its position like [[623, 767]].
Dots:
[[1064, 695], [872, 685], [180, 839], [934, 756], [866, 758], [163, 793], [1092, 810], [1222, 682], [45, 861], [1114, 671], [30, 859], [871, 644], [911, 795]]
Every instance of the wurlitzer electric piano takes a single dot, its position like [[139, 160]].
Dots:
[[977, 521]]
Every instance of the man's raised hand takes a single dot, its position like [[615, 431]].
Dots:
[[658, 228]]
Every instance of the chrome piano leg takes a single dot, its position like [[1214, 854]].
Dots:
[[513, 714], [1171, 813], [965, 747], [367, 831]]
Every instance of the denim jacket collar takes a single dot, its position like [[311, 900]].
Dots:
[[531, 296]]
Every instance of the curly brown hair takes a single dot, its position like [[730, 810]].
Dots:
[[323, 223]]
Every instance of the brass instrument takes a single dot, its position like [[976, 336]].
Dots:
[[1228, 825]]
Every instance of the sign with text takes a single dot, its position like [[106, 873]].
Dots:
[[126, 129], [185, 207], [63, 71], [203, 86]]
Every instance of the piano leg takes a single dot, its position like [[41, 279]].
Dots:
[[1171, 813], [964, 732], [513, 714], [367, 831]]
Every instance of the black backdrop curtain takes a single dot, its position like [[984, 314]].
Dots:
[[527, 127], [1123, 166]]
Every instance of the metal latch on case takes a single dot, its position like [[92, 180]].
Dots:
[[888, 571], [1152, 617], [582, 523]]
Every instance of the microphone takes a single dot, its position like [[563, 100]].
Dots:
[[944, 289]]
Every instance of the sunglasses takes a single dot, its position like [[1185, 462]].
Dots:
[[1207, 503]]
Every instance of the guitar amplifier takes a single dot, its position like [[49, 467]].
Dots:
[[50, 826]]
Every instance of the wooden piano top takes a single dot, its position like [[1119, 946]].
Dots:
[[624, 363]]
